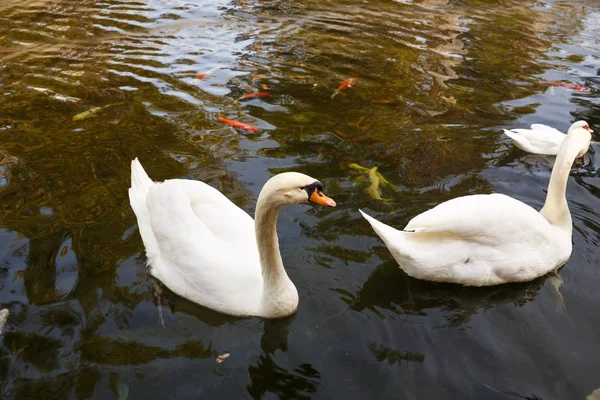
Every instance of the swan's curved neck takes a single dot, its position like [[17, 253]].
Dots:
[[266, 238], [556, 210], [279, 296]]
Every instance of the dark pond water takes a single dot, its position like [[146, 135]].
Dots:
[[437, 82]]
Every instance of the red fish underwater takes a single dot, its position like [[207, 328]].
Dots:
[[345, 84], [254, 95], [205, 75], [567, 85], [237, 124]]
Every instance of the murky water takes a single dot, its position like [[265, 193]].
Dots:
[[437, 81]]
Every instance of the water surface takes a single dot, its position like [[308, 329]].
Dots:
[[437, 82]]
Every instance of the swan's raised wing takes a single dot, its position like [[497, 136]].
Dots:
[[481, 218]]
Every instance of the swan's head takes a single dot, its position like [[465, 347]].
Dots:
[[581, 133], [581, 125], [295, 188]]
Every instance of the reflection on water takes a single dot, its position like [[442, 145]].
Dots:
[[266, 377], [437, 80], [390, 288]]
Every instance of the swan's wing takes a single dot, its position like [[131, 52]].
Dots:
[[541, 133], [220, 215], [481, 218], [547, 130], [540, 139], [196, 226]]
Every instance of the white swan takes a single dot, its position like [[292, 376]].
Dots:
[[541, 139], [484, 240], [206, 249]]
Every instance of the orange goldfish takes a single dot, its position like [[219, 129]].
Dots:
[[254, 94], [205, 75], [237, 124], [345, 84], [567, 85]]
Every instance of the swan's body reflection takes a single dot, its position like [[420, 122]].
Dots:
[[390, 288], [266, 375]]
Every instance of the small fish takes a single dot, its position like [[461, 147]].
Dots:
[[123, 391], [237, 124], [358, 167], [54, 95], [40, 89], [3, 318], [376, 180], [347, 83], [67, 99], [373, 189], [254, 95], [205, 75], [567, 85], [92, 111]]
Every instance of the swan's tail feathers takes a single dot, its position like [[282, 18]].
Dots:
[[140, 181], [140, 185], [512, 135], [385, 232], [517, 138]]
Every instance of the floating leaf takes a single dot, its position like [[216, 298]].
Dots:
[[221, 357]]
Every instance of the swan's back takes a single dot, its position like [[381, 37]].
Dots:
[[540, 139]]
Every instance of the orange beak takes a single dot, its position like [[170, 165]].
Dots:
[[320, 198]]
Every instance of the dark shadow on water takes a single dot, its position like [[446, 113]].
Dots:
[[40, 275], [275, 336], [178, 304], [384, 353], [267, 376], [389, 288]]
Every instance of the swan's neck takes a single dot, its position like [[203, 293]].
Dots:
[[556, 210], [279, 296]]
